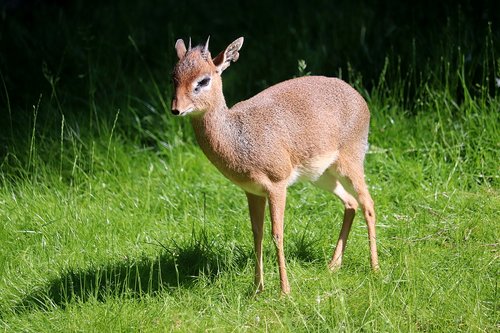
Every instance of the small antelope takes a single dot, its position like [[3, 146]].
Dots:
[[310, 128]]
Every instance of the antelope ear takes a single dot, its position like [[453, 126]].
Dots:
[[180, 48], [230, 54]]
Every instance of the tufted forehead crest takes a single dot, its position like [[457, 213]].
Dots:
[[195, 61]]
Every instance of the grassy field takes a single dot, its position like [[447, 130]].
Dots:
[[112, 219]]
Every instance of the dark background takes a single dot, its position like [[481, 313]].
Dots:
[[62, 52]]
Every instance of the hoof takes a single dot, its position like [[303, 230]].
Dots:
[[285, 288], [334, 266], [258, 291]]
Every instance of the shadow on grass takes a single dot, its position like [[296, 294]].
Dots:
[[175, 267]]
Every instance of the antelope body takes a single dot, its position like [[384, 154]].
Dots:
[[310, 128]]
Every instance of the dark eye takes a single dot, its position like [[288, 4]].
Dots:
[[202, 83]]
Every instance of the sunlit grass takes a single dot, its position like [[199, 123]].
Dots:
[[110, 236], [115, 221]]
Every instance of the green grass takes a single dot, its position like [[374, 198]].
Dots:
[[112, 219], [108, 236]]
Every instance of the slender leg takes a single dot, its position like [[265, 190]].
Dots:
[[355, 175], [257, 206], [351, 205], [367, 205], [329, 181], [277, 201]]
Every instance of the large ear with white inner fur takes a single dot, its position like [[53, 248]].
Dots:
[[180, 48], [230, 54]]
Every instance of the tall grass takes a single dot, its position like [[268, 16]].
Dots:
[[111, 219]]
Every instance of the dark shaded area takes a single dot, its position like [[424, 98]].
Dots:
[[175, 267], [84, 48], [178, 266]]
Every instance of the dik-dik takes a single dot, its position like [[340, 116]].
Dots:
[[310, 128]]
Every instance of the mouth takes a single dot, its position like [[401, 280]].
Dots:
[[182, 113]]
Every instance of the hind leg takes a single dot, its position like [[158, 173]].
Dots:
[[330, 182], [351, 174]]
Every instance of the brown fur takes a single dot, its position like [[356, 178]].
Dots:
[[314, 128]]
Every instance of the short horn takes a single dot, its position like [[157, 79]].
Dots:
[[189, 46], [205, 49]]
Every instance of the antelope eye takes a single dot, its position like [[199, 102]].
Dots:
[[202, 83]]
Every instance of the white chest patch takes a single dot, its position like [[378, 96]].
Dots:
[[313, 168]]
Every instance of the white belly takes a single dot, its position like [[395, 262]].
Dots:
[[312, 169], [253, 188]]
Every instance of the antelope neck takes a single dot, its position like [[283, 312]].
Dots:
[[215, 133]]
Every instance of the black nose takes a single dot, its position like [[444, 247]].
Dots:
[[175, 112]]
